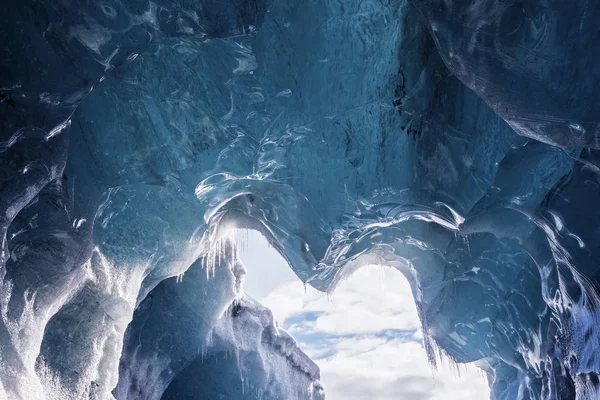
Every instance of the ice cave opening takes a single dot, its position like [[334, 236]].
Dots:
[[365, 336]]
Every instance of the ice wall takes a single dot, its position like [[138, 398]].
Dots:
[[453, 140], [248, 357], [196, 336]]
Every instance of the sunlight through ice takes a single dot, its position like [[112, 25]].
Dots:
[[366, 338]]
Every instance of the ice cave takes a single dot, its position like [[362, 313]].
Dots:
[[454, 141]]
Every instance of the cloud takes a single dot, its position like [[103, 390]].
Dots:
[[373, 300], [386, 369], [366, 337], [367, 340]]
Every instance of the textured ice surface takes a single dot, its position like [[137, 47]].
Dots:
[[456, 141], [248, 357], [178, 342]]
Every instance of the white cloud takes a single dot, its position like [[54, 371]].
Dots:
[[380, 369], [366, 338], [357, 361], [373, 300]]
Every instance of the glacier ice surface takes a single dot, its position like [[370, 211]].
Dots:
[[455, 141]]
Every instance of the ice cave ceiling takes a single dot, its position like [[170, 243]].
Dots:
[[454, 140]]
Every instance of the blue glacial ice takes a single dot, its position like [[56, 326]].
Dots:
[[456, 141]]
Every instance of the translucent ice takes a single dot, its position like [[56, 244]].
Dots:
[[456, 141]]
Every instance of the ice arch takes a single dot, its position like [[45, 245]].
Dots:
[[133, 134]]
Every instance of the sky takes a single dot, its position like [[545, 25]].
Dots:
[[366, 337]]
